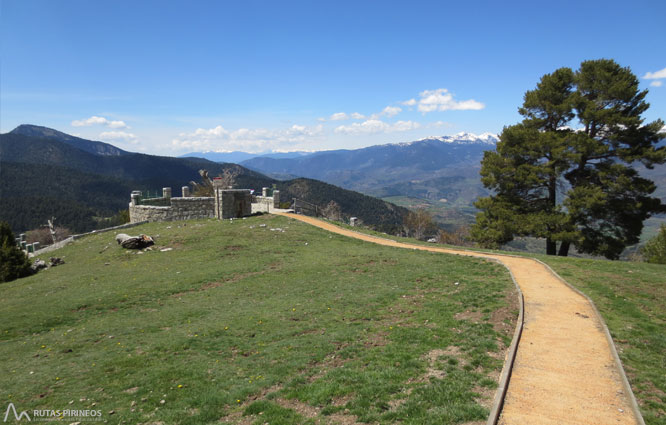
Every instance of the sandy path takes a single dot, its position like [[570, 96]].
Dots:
[[564, 372]]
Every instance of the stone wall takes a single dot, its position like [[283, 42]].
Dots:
[[227, 203], [262, 204], [179, 209], [266, 203]]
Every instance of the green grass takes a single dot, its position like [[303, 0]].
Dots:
[[630, 297], [242, 323]]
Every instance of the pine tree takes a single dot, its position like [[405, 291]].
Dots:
[[564, 173], [13, 262]]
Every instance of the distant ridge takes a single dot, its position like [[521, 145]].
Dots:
[[238, 156], [371, 169], [96, 148]]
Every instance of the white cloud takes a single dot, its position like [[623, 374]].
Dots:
[[655, 75], [404, 126], [442, 100], [373, 126], [339, 116], [342, 116], [118, 136], [95, 120], [246, 139], [390, 111], [657, 83]]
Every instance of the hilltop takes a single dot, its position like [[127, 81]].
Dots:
[[263, 318]]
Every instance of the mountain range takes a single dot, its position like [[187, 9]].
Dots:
[[383, 170], [439, 173], [45, 173]]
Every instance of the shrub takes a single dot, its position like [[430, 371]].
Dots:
[[13, 262], [654, 250], [43, 235], [419, 224], [459, 236], [332, 211]]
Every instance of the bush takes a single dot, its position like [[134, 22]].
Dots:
[[419, 224], [13, 262], [43, 235], [459, 237], [654, 250], [332, 211]]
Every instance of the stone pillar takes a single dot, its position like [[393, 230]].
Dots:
[[186, 191], [217, 193], [276, 199], [264, 191], [166, 192], [136, 197], [353, 221]]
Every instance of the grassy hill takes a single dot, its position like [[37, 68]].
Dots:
[[244, 323]]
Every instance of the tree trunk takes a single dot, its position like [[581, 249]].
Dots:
[[551, 247], [564, 249]]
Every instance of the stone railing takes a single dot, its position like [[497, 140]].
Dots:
[[178, 209]]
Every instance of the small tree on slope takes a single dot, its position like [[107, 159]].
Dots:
[[564, 173], [13, 262], [654, 250]]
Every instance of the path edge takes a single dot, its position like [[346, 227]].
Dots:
[[505, 376], [625, 381]]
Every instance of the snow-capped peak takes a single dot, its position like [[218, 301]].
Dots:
[[465, 137]]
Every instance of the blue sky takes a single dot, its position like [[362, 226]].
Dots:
[[180, 76]]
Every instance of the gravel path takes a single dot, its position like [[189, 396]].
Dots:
[[564, 372]]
